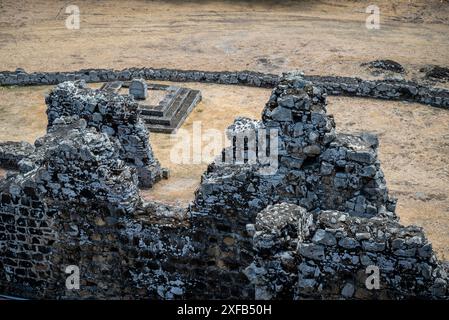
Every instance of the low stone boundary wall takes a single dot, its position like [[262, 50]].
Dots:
[[347, 86], [333, 255]]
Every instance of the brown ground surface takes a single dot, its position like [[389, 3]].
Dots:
[[319, 37]]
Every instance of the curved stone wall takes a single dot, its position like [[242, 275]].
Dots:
[[348, 86]]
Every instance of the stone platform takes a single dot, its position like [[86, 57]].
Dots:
[[167, 114]]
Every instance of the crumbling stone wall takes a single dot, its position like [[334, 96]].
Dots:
[[74, 201], [45, 209], [301, 255], [322, 169], [26, 237], [11, 152], [317, 169], [78, 204], [73, 197], [380, 89], [115, 115], [159, 253]]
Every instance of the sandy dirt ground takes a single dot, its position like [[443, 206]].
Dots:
[[319, 37]]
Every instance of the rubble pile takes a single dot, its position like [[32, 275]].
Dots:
[[379, 66], [317, 168], [11, 152], [81, 165]]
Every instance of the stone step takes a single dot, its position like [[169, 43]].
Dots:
[[170, 112], [192, 99], [177, 103], [168, 105]]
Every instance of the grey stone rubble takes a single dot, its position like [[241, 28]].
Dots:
[[76, 163], [318, 168], [384, 65], [320, 171], [433, 72], [307, 231], [116, 115], [301, 255], [11, 152], [380, 89]]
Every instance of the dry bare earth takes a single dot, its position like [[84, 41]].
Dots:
[[315, 36], [323, 37]]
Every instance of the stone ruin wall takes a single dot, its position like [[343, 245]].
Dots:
[[318, 169], [74, 200], [115, 115], [300, 255]]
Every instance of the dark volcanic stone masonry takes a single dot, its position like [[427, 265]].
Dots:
[[326, 255], [308, 229], [318, 168], [11, 152], [354, 87], [116, 115], [385, 65]]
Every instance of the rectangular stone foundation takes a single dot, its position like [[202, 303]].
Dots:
[[167, 114], [171, 111]]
